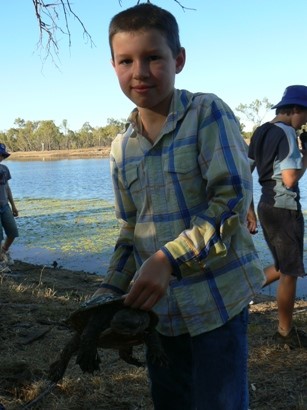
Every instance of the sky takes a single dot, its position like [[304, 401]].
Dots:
[[240, 50]]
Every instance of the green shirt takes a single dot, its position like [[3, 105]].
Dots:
[[188, 195]]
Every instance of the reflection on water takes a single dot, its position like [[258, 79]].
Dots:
[[61, 179], [90, 179]]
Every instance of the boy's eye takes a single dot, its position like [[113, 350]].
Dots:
[[125, 61], [154, 57]]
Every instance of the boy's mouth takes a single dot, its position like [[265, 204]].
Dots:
[[141, 88]]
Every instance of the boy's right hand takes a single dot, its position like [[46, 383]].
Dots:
[[151, 282]]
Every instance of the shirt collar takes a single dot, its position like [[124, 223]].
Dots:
[[181, 101]]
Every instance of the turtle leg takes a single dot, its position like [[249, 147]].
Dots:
[[58, 368], [155, 351], [126, 355], [88, 358]]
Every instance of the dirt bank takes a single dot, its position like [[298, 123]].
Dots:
[[97, 152]]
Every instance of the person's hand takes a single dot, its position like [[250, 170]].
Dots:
[[251, 221], [150, 283], [14, 211]]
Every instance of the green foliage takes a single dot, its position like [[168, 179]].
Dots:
[[45, 135], [255, 111], [247, 135]]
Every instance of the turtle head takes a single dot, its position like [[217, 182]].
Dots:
[[130, 321]]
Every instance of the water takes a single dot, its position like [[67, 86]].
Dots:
[[74, 179], [61, 179]]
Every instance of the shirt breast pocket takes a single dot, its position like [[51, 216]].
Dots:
[[132, 181], [184, 174]]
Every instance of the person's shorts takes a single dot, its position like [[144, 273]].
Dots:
[[8, 223], [283, 230]]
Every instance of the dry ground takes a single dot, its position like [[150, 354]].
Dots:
[[34, 300], [94, 152]]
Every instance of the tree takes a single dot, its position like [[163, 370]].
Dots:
[[47, 136], [21, 138], [255, 111], [50, 17], [54, 17]]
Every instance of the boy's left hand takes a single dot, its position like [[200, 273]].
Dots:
[[151, 283], [251, 221]]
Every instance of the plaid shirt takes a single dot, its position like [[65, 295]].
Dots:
[[188, 195]]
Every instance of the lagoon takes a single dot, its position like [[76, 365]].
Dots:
[[66, 214]]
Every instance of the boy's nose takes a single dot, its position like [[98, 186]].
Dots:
[[141, 70]]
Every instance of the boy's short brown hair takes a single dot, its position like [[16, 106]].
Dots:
[[288, 109], [146, 16]]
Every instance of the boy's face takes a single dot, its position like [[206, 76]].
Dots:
[[146, 68], [298, 118]]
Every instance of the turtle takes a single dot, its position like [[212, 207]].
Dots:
[[105, 322]]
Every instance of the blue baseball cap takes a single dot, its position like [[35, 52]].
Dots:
[[294, 95], [3, 151]]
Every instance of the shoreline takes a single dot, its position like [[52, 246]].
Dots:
[[94, 152]]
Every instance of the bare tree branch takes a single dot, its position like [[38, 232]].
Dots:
[[53, 18], [49, 17]]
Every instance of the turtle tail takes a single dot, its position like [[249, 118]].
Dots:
[[57, 369]]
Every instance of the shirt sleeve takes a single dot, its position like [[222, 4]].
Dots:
[[122, 266], [225, 167], [288, 151]]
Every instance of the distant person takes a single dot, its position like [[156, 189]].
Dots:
[[280, 164], [8, 212], [183, 186]]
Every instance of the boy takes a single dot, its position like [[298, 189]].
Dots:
[[7, 213], [182, 187], [274, 151]]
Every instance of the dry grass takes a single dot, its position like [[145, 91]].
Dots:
[[34, 300]]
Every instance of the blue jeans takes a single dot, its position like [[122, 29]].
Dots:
[[206, 372]]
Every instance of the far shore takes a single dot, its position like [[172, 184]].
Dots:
[[95, 152]]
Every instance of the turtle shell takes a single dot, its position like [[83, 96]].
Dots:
[[79, 318], [104, 304]]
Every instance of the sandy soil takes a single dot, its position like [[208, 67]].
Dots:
[[34, 301]]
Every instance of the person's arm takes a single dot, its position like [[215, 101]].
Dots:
[[290, 177], [122, 265], [226, 170], [251, 217], [11, 199]]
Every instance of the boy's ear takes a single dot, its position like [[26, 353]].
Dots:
[[180, 60]]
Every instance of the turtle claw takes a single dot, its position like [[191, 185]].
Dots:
[[88, 360], [126, 355], [158, 359]]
